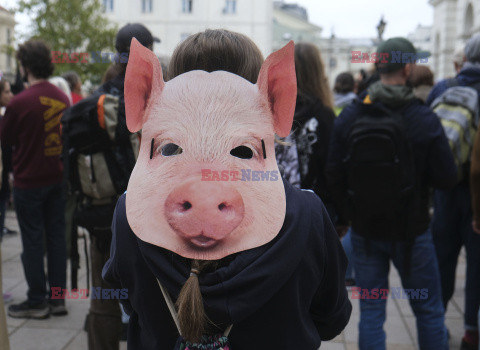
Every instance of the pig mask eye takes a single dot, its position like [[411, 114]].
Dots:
[[242, 152], [171, 149]]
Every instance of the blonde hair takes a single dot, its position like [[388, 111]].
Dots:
[[311, 77]]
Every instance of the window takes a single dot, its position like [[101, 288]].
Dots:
[[147, 6], [108, 5], [333, 62], [230, 6], [187, 6], [9, 42]]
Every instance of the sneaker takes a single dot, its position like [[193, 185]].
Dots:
[[7, 297], [28, 310], [57, 307]]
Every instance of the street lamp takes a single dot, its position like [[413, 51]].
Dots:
[[381, 28]]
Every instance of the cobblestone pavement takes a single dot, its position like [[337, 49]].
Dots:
[[66, 333]]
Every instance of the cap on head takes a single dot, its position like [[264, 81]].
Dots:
[[472, 49], [400, 52], [133, 30]]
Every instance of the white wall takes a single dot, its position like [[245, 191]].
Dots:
[[449, 27], [167, 21], [7, 22]]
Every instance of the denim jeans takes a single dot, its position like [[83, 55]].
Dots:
[[42, 210], [347, 247], [372, 266], [452, 228]]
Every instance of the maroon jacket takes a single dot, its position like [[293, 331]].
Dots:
[[31, 125]]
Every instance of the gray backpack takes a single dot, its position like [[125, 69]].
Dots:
[[99, 154]]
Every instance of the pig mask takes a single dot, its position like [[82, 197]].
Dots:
[[206, 183]]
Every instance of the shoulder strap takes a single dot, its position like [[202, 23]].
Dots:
[[170, 305], [174, 314]]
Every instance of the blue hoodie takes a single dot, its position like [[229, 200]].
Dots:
[[468, 76]]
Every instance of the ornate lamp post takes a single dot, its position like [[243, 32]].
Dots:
[[380, 29]]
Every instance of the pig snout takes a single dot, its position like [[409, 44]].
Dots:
[[204, 213]]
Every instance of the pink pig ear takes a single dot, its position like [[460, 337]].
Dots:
[[278, 82], [143, 79]]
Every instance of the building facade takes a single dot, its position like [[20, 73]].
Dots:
[[455, 21], [290, 22], [174, 20], [7, 24], [346, 55], [421, 38]]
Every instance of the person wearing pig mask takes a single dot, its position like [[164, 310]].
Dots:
[[207, 221]]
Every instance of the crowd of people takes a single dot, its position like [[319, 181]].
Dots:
[[376, 150]]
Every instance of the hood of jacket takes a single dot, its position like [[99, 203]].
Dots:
[[341, 100], [470, 74], [392, 96]]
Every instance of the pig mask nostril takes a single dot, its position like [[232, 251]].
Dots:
[[186, 205], [222, 206]]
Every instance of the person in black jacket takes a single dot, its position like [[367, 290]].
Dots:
[[434, 167], [286, 294], [104, 319]]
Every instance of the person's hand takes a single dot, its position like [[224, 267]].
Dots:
[[476, 229]]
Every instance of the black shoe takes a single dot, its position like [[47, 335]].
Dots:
[[28, 310], [57, 307]]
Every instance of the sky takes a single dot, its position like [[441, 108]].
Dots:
[[359, 18], [347, 18]]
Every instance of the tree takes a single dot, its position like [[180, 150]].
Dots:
[[71, 27]]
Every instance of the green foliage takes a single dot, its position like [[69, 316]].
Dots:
[[71, 26]]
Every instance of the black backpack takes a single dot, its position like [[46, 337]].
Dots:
[[381, 174]]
